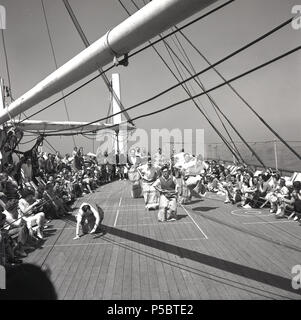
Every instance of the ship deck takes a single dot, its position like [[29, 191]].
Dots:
[[213, 251]]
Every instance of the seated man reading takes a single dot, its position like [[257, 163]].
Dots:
[[29, 210], [89, 218]]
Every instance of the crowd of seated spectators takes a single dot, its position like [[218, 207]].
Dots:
[[241, 185], [32, 193], [248, 188]]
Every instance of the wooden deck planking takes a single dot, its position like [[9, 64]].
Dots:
[[240, 252], [161, 270], [60, 259], [65, 271], [94, 273], [135, 279], [157, 277], [127, 275], [240, 282], [119, 273], [178, 274], [145, 259], [194, 232], [218, 249], [144, 281], [64, 279], [282, 237], [178, 271], [79, 275], [168, 269], [194, 290], [102, 273], [86, 275], [199, 271], [151, 266], [222, 237], [110, 275], [221, 289], [74, 274], [189, 233]]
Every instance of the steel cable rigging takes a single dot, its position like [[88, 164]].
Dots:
[[55, 60], [262, 119], [161, 93], [288, 53], [200, 84], [129, 56]]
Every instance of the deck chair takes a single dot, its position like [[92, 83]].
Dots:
[[290, 180], [287, 179], [31, 185], [264, 204], [41, 182], [233, 170], [296, 176], [270, 182], [257, 173]]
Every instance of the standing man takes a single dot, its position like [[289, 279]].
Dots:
[[26, 171], [168, 187], [89, 218], [159, 159], [149, 175], [76, 164]]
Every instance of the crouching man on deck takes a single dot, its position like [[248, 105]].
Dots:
[[168, 188], [89, 218]]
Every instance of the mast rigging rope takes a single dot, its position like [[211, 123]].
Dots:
[[195, 96], [55, 60], [210, 98], [129, 56], [174, 86]]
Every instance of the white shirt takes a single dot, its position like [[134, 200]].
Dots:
[[26, 172], [11, 221], [23, 206], [81, 213]]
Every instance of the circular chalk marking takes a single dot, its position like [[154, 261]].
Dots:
[[250, 213]]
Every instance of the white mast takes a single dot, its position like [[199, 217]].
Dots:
[[2, 93], [115, 109], [43, 125], [154, 18]]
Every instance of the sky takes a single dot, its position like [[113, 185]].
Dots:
[[274, 91]]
